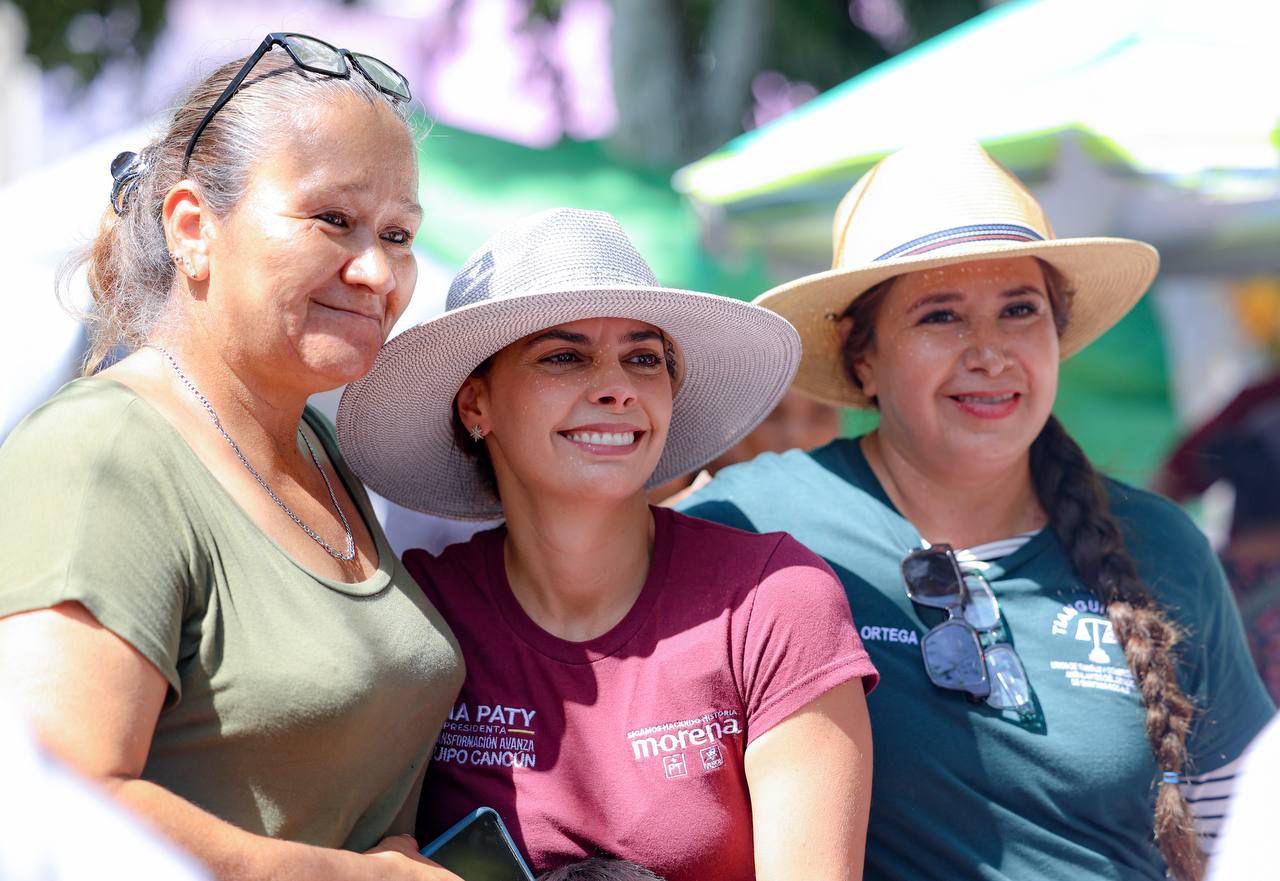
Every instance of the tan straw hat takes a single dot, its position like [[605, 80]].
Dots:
[[936, 204], [395, 426]]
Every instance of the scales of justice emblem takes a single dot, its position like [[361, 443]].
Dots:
[[1098, 631]]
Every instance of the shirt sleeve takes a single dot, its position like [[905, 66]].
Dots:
[[1209, 797], [92, 516], [718, 503], [800, 641], [1233, 703]]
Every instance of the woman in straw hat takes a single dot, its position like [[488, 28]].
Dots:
[[1061, 649], [639, 683]]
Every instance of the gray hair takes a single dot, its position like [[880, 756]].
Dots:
[[130, 272], [600, 869]]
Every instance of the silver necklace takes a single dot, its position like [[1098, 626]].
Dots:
[[345, 556]]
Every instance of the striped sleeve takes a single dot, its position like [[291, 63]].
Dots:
[[1209, 796]]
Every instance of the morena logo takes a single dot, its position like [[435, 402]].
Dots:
[[647, 747]]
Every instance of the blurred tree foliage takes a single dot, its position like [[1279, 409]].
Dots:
[[682, 69], [86, 35], [817, 41]]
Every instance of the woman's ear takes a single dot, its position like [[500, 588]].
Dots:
[[472, 403], [866, 373], [862, 368], [187, 230], [843, 329]]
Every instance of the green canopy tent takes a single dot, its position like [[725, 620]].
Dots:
[[472, 185]]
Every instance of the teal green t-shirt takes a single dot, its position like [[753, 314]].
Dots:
[[962, 790]]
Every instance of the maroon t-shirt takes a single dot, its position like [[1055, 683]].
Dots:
[[632, 743]]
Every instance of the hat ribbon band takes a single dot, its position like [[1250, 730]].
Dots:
[[959, 235]]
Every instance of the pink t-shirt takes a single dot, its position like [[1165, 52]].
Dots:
[[631, 744]]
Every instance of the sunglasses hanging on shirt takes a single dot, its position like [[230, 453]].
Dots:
[[962, 653]]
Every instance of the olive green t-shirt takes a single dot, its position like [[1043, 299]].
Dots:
[[299, 707]]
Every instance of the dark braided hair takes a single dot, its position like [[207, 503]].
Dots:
[[1073, 495], [600, 869]]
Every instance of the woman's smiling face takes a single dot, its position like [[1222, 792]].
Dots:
[[964, 362], [579, 410], [313, 267]]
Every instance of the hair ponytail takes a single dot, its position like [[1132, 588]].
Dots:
[[1073, 495], [129, 272]]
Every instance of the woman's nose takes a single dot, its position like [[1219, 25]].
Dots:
[[371, 269], [612, 387], [986, 351]]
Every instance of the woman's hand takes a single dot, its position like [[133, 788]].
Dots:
[[810, 783], [400, 859]]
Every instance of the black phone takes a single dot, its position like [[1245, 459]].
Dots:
[[479, 848]]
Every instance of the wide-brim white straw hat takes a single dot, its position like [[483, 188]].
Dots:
[[937, 204], [395, 426]]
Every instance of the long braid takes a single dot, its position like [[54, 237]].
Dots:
[[1073, 495]]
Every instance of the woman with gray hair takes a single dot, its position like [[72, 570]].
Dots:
[[198, 598]]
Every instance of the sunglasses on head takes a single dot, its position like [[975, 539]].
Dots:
[[961, 653], [314, 56]]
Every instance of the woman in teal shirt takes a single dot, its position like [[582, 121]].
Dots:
[[1065, 678]]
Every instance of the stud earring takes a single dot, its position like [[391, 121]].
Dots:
[[477, 433], [183, 263]]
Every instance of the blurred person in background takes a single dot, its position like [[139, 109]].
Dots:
[[1061, 652], [1240, 446], [639, 683], [797, 423], [200, 611]]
